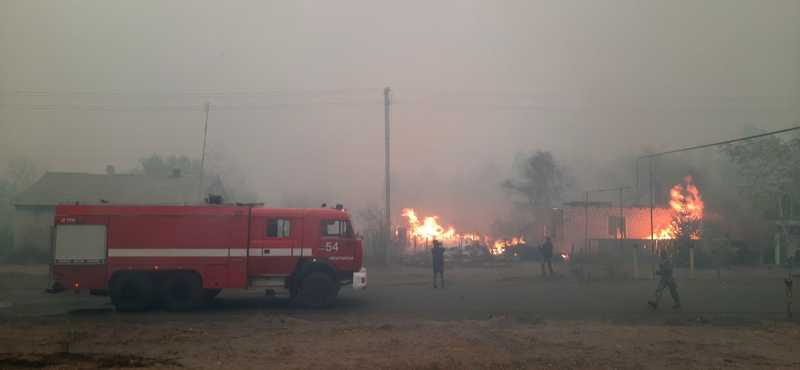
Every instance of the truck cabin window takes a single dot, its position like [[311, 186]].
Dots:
[[335, 229], [279, 228]]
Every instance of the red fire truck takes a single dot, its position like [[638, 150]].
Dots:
[[179, 255]]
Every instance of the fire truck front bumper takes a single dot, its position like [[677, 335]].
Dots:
[[360, 279]]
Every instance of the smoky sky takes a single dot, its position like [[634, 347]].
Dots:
[[92, 83]]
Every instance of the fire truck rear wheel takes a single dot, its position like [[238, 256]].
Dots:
[[318, 290], [211, 293], [132, 292], [182, 291]]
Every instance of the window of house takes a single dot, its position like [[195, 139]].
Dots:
[[335, 228], [616, 227], [279, 228]]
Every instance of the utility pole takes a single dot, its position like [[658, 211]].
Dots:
[[652, 237], [622, 226], [203, 157], [586, 225], [388, 216]]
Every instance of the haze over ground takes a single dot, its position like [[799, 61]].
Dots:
[[87, 84]]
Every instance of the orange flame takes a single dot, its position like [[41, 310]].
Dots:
[[686, 204], [499, 245], [430, 229]]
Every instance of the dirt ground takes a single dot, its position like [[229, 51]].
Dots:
[[294, 338]]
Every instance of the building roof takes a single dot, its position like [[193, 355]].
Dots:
[[59, 187]]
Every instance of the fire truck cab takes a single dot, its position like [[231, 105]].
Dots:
[[179, 256]]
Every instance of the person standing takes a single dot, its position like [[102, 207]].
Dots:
[[665, 271], [547, 255], [438, 262]]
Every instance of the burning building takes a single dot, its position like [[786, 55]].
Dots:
[[572, 228], [420, 233], [585, 222]]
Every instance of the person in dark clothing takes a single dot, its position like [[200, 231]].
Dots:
[[438, 262], [667, 281], [547, 255]]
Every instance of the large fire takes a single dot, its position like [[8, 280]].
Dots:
[[500, 245], [429, 228], [687, 212]]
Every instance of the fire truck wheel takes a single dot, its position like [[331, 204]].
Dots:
[[318, 290], [132, 292], [182, 291], [211, 293]]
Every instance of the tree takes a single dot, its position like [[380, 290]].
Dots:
[[22, 172], [217, 163], [161, 166], [226, 166], [771, 165], [541, 180], [374, 232], [6, 217]]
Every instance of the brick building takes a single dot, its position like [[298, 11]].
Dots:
[[604, 222]]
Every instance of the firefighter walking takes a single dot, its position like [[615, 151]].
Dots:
[[667, 281]]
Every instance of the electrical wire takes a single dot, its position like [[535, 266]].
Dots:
[[101, 107], [296, 105], [354, 127], [490, 106], [556, 96], [185, 95], [185, 107], [485, 93], [658, 155], [575, 109]]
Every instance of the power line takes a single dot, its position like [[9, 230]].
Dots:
[[100, 107], [486, 93], [658, 155], [296, 105], [184, 107], [186, 95], [557, 96], [720, 143], [354, 127], [348, 91], [576, 108], [489, 106]]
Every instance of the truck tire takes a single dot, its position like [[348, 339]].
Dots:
[[182, 291], [318, 290], [132, 292], [210, 294]]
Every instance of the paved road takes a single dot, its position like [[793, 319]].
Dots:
[[543, 298]]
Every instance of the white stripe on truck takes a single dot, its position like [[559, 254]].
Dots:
[[182, 252], [185, 252], [238, 252], [279, 252]]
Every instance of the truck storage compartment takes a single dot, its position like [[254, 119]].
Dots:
[[80, 244]]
